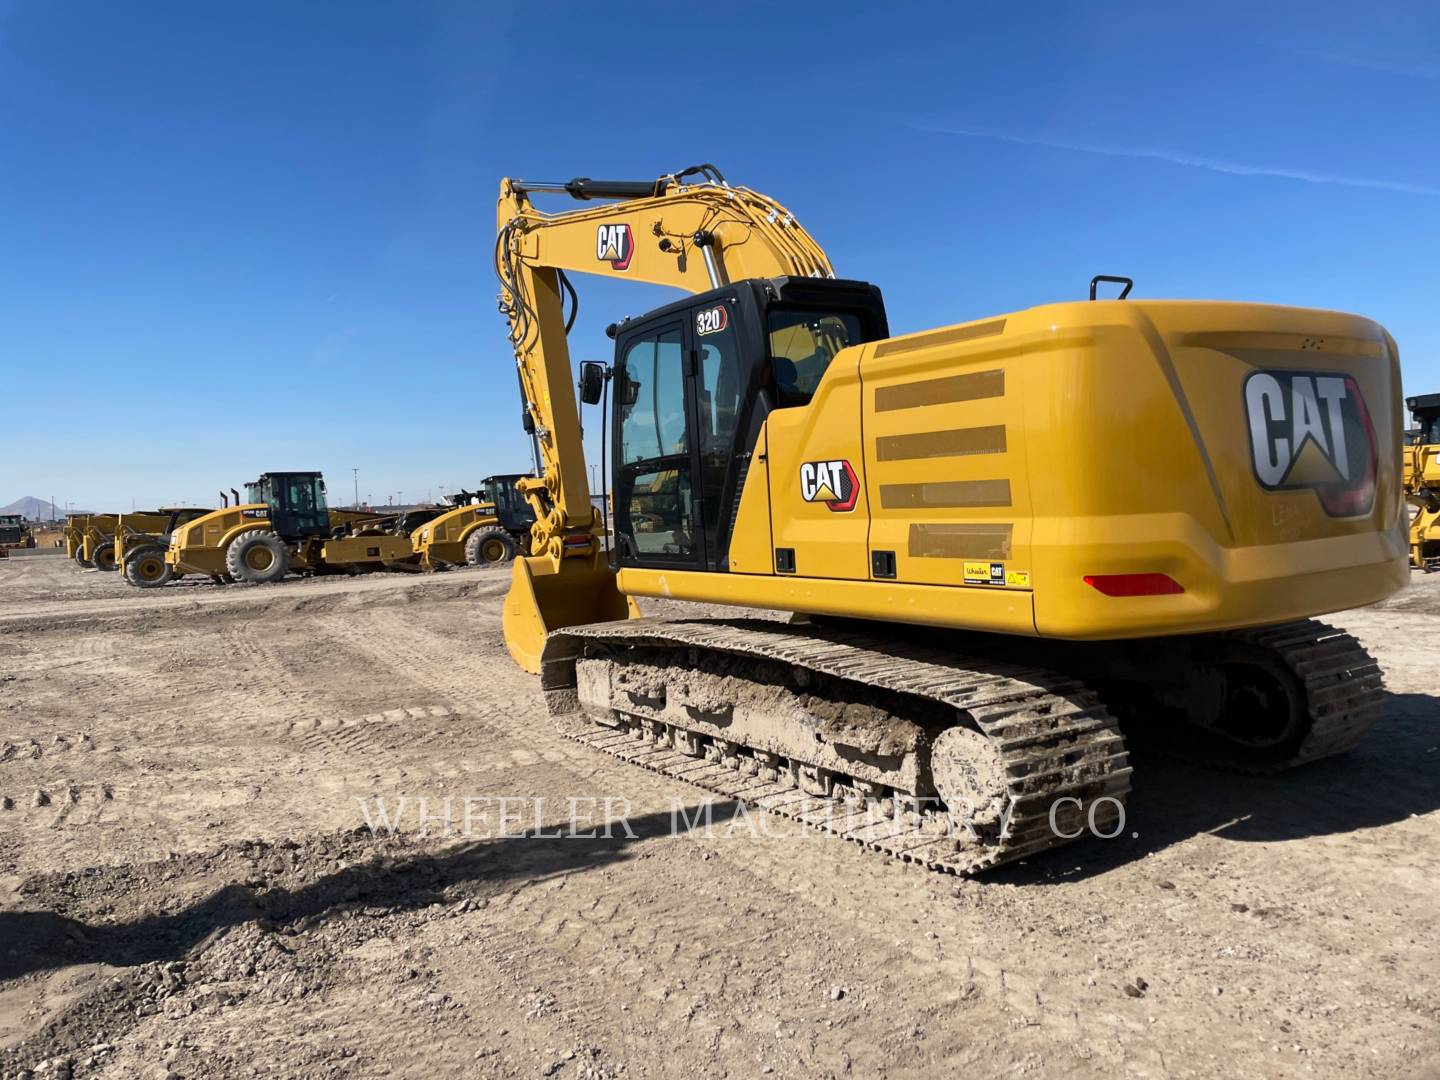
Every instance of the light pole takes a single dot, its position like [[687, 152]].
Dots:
[[355, 473]]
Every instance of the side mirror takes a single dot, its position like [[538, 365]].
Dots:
[[592, 381]]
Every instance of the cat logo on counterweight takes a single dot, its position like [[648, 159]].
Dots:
[[1311, 429]]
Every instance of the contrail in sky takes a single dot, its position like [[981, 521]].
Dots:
[[1175, 157]]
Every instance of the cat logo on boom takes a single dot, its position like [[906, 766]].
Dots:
[[830, 482], [615, 244], [1312, 430]]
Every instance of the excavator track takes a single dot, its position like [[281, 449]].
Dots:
[[1051, 744], [1341, 693]]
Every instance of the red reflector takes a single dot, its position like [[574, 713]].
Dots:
[[1134, 584]]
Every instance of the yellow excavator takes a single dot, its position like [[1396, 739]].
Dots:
[[1000, 537], [1422, 481]]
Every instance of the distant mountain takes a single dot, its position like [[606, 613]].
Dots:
[[35, 509]]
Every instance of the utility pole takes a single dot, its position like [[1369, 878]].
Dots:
[[355, 472]]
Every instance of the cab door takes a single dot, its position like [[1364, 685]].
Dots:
[[659, 518]]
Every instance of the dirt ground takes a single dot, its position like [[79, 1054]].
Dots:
[[188, 887]]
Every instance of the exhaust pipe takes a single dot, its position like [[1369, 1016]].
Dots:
[[224, 500], [237, 496]]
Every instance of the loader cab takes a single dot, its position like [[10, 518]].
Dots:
[[295, 501], [1425, 410], [694, 381], [511, 508]]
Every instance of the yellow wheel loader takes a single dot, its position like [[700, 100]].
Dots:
[[141, 540], [1422, 481], [73, 534], [97, 541], [490, 525], [284, 527], [1001, 536]]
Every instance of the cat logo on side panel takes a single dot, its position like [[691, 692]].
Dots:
[[831, 482]]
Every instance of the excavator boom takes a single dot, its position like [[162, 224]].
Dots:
[[689, 230]]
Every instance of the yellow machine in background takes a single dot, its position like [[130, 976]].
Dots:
[[284, 527], [97, 541], [73, 534], [1422, 481], [1004, 532], [489, 525], [141, 540]]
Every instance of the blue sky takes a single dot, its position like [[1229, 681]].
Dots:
[[246, 236]]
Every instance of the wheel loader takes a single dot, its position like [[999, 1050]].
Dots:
[[141, 540], [1011, 545], [1422, 481], [284, 526], [73, 535], [489, 525], [97, 541]]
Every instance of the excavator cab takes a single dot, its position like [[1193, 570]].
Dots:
[[695, 381], [295, 501]]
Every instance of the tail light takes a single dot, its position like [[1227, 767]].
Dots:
[[1134, 584]]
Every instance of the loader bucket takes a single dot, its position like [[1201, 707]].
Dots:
[[541, 600]]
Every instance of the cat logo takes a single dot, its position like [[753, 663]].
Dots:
[[615, 244], [830, 482], [1312, 430]]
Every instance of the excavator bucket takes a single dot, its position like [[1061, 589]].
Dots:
[[541, 600]]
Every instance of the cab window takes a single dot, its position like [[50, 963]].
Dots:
[[802, 344]]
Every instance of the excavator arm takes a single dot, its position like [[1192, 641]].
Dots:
[[689, 230]]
